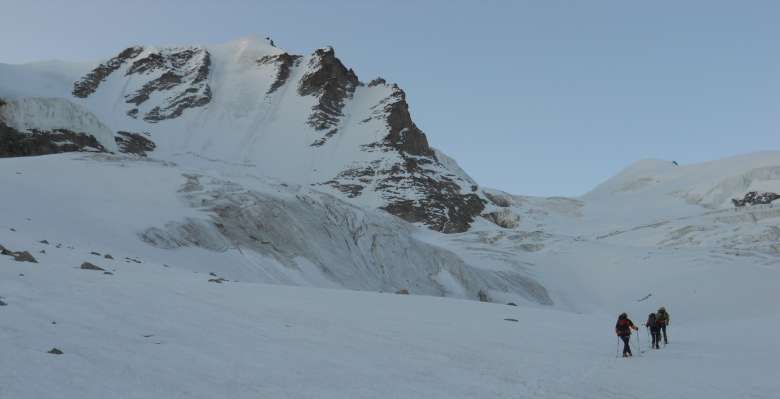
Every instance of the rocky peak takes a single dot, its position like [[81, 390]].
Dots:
[[394, 167], [332, 83], [404, 134]]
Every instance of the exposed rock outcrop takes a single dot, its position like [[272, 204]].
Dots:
[[134, 143], [14, 143], [42, 125], [89, 84], [181, 71], [755, 198], [404, 135], [332, 83], [283, 63], [418, 187]]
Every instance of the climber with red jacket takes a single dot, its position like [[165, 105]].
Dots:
[[623, 329]]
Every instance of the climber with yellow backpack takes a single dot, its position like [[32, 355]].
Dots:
[[662, 321]]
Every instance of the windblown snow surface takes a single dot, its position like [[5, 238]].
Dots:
[[228, 275]]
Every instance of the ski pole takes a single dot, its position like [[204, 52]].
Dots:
[[638, 347], [617, 351]]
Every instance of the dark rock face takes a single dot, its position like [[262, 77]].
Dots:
[[14, 143], [443, 206], [755, 198], [447, 211], [404, 134], [440, 201], [88, 84], [166, 81], [332, 83], [284, 63], [134, 143], [183, 72]]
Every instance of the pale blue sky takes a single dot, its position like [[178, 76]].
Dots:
[[533, 97]]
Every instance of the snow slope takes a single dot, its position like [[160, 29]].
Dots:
[[242, 226], [153, 332]]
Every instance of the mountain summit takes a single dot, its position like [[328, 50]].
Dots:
[[249, 105]]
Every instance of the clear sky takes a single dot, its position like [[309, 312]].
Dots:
[[534, 97]]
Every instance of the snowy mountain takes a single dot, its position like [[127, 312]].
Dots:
[[254, 107], [249, 133], [195, 175]]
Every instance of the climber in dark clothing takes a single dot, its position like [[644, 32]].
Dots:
[[623, 329], [655, 330], [663, 320]]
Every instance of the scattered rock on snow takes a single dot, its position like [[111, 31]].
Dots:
[[90, 266], [3, 303], [499, 199], [219, 280], [24, 256], [55, 351], [512, 304], [402, 291], [483, 296], [514, 320], [44, 242], [19, 256], [503, 217], [95, 253], [108, 256]]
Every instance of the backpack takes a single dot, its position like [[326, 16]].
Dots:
[[623, 327], [651, 320], [661, 318]]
